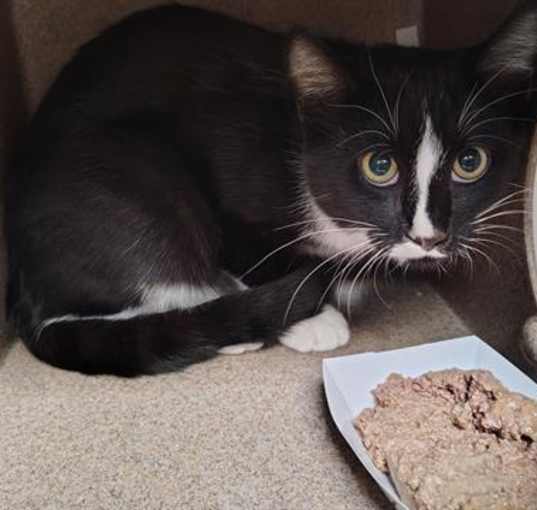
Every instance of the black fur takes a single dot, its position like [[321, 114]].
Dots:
[[175, 146]]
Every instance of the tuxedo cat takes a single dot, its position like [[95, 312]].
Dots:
[[193, 185]]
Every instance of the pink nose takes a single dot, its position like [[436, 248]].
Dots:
[[428, 243]]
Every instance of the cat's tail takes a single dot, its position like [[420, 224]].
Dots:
[[162, 342]]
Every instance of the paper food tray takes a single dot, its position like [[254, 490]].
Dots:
[[349, 380]]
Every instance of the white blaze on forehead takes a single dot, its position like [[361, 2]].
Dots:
[[427, 160]]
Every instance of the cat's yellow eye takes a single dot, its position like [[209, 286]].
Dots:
[[379, 168], [471, 164]]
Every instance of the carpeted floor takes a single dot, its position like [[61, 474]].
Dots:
[[235, 433]]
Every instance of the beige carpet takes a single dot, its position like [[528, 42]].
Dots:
[[234, 433]]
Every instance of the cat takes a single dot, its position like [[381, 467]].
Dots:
[[193, 185]]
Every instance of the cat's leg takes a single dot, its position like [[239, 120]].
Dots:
[[329, 329], [324, 331]]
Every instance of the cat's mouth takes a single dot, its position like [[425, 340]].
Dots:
[[409, 251]]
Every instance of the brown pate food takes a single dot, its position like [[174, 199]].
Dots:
[[454, 440]]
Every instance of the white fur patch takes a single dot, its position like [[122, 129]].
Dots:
[[323, 332], [162, 298], [155, 299], [240, 348], [332, 238], [427, 160], [409, 250]]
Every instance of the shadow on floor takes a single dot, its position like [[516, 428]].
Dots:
[[363, 479], [6, 344]]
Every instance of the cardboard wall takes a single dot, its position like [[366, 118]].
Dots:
[[12, 117], [48, 33], [460, 23]]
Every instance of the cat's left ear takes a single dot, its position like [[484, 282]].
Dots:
[[511, 53], [313, 71]]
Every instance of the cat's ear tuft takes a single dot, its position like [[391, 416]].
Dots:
[[313, 73], [512, 51]]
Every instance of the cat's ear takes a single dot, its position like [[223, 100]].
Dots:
[[314, 74], [512, 50]]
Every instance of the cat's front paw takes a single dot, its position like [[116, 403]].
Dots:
[[323, 332]]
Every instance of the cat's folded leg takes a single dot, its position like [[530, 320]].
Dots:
[[325, 331]]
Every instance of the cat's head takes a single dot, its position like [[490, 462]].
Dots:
[[410, 155]]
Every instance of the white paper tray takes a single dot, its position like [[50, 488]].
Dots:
[[349, 380]]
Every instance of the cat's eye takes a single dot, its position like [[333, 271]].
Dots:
[[471, 164], [379, 168]]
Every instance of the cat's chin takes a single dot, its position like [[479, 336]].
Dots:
[[425, 264], [408, 251]]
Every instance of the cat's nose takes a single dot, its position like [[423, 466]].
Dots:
[[428, 243]]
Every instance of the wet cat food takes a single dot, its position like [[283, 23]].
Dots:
[[454, 440]]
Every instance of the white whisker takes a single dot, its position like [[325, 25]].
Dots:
[[477, 112], [498, 207], [468, 106], [441, 268], [398, 101], [351, 264], [372, 146], [497, 215], [337, 272], [362, 133], [465, 253], [366, 110], [363, 271], [308, 276], [381, 90], [495, 234], [473, 127], [494, 137], [332, 218], [484, 241], [511, 198], [294, 241], [376, 266], [355, 260], [483, 254], [494, 226], [519, 186]]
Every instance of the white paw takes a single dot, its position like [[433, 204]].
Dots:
[[323, 332], [240, 348]]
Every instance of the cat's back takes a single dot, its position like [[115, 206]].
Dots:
[[160, 60]]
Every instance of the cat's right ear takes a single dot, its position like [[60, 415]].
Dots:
[[511, 52], [315, 75]]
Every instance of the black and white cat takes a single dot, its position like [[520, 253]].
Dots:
[[180, 150]]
